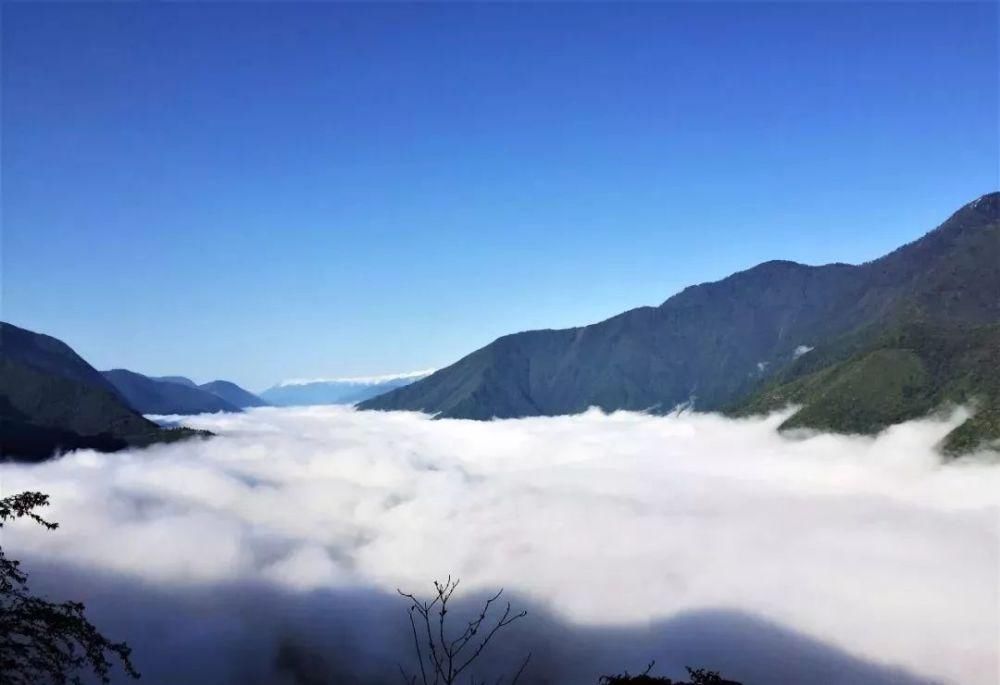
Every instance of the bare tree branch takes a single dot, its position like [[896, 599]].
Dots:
[[442, 655]]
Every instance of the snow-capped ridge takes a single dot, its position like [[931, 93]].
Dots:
[[359, 380]]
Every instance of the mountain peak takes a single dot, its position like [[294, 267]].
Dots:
[[232, 393], [182, 380], [150, 396], [984, 210], [989, 200], [988, 203]]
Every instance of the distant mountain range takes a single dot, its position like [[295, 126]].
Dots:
[[179, 395], [859, 347], [51, 400], [149, 396], [304, 392], [233, 394]]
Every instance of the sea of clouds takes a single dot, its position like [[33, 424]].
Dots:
[[271, 552]]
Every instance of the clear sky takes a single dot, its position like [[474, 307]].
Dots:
[[261, 191]]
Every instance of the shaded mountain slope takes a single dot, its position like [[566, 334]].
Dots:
[[705, 343], [48, 355], [51, 400], [719, 344], [225, 390], [233, 394], [148, 396], [182, 380]]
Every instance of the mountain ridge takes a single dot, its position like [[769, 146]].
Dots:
[[149, 396], [351, 390], [233, 394], [52, 400], [719, 343]]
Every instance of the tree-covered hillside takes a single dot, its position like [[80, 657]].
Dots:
[[881, 341]]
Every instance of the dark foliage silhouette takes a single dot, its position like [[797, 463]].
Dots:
[[42, 641], [698, 676]]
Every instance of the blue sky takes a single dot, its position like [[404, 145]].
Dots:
[[263, 191]]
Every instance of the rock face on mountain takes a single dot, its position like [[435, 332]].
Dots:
[[233, 394], [336, 390], [51, 400], [148, 396], [928, 312]]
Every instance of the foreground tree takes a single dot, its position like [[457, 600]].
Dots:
[[41, 641], [443, 657]]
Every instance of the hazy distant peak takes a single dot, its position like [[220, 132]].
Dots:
[[181, 380], [348, 390], [359, 380]]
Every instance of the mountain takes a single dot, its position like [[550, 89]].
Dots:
[[182, 380], [336, 390], [49, 356], [148, 396], [52, 400], [860, 347], [225, 390], [233, 394]]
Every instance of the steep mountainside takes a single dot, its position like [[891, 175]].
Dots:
[[48, 355], [336, 390], [51, 400], [723, 344], [902, 374], [233, 394], [148, 396]]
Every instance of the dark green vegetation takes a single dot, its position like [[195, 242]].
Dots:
[[901, 374], [42, 641], [889, 340], [148, 396], [233, 394], [52, 400], [698, 676]]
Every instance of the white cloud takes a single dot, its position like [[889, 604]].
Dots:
[[869, 544], [801, 350], [360, 380]]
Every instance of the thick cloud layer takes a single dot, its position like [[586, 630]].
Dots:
[[870, 547]]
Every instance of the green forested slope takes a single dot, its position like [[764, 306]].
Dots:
[[901, 375], [737, 344]]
